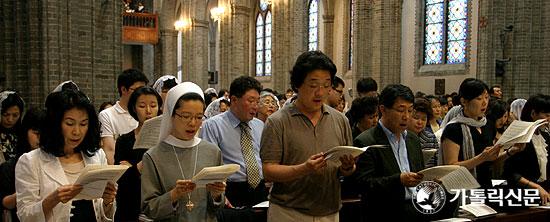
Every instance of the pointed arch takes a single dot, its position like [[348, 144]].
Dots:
[[263, 40], [313, 25]]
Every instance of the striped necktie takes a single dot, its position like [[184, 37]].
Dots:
[[252, 168]]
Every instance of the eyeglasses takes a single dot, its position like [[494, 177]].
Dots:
[[268, 103], [188, 117]]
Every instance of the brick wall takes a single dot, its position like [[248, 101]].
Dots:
[[47, 42]]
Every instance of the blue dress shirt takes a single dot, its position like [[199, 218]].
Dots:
[[224, 131]]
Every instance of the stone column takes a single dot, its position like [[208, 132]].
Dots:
[[234, 44]]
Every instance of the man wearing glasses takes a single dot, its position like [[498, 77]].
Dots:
[[116, 120], [386, 176], [306, 186], [237, 132], [336, 92]]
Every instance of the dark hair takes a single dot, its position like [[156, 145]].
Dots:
[[443, 100], [538, 103], [337, 81], [128, 77], [51, 139], [242, 84], [33, 120], [423, 105], [419, 94], [431, 97], [281, 96], [496, 109], [392, 92], [146, 90], [308, 62], [13, 99], [69, 86], [209, 97], [471, 88], [363, 106], [365, 85], [289, 90], [188, 97], [104, 105], [492, 89], [169, 83], [222, 92], [226, 102]]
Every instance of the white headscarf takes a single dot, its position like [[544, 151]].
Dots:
[[213, 108], [516, 106], [59, 87], [171, 99], [160, 82]]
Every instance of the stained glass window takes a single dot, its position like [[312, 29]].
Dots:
[[313, 25], [445, 31], [263, 41]]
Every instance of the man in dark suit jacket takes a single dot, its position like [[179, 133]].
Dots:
[[386, 176]]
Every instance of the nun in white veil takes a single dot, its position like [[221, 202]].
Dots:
[[168, 194]]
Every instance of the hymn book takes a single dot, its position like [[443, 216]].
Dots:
[[94, 179], [149, 135], [336, 152], [451, 176], [519, 132], [214, 174]]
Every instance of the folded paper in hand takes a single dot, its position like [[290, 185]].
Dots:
[[453, 177], [478, 210], [214, 174], [94, 178], [336, 152], [149, 135], [519, 132]]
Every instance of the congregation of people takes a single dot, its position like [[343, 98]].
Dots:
[[279, 140]]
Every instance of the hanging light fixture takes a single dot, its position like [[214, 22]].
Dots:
[[216, 13]]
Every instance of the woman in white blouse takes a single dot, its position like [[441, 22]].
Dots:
[[45, 177]]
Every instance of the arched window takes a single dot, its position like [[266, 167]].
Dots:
[[313, 25], [351, 20], [446, 30], [263, 40]]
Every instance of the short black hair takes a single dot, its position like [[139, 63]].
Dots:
[[496, 109], [59, 103], [146, 90], [242, 84], [308, 62], [209, 98], [222, 92], [423, 105], [14, 99], [363, 106], [128, 77], [365, 85], [443, 100], [188, 97], [392, 92], [492, 89], [226, 102], [33, 120], [337, 81], [538, 103], [471, 88], [169, 83]]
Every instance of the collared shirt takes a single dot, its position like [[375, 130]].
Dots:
[[399, 148], [290, 138], [224, 131], [116, 121]]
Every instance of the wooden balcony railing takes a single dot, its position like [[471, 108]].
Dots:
[[139, 28]]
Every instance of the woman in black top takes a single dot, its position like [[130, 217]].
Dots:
[[144, 104], [529, 169], [28, 139], [11, 110], [467, 140]]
